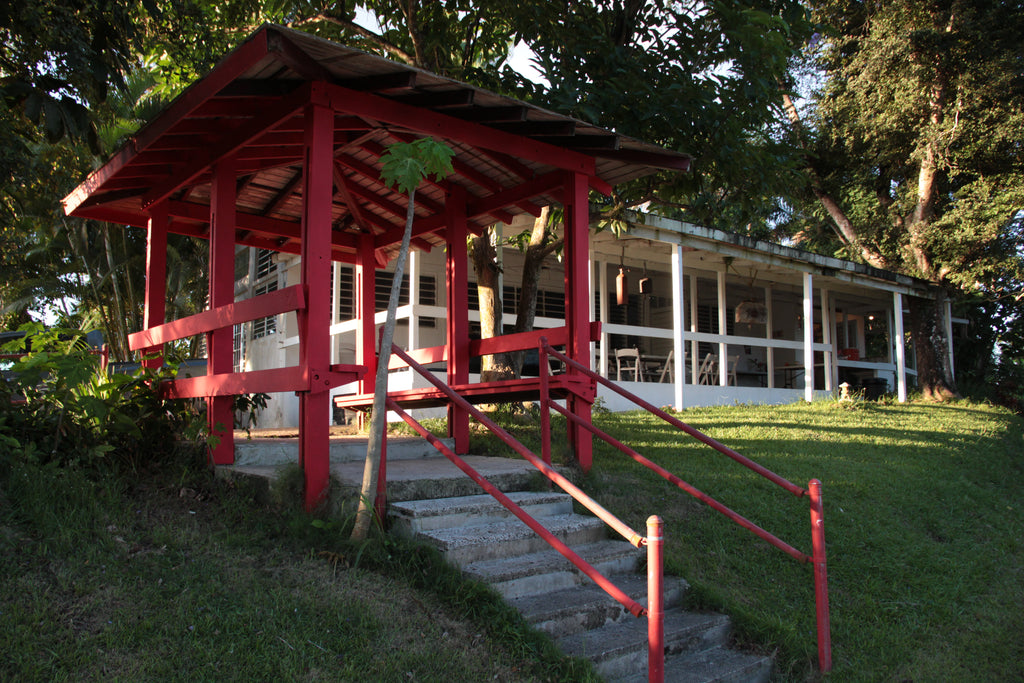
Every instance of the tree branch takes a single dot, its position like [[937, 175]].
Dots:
[[844, 227], [374, 38]]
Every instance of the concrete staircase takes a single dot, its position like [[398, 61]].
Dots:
[[479, 535], [432, 500]]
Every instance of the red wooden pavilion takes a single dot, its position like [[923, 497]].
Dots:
[[278, 147]]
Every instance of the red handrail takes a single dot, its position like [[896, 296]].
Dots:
[[655, 591], [582, 498], [814, 493], [629, 603]]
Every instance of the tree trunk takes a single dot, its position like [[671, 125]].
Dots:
[[485, 263], [378, 417], [541, 245], [931, 346]]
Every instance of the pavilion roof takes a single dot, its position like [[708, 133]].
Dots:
[[509, 154]]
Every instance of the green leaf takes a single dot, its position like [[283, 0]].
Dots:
[[405, 164]]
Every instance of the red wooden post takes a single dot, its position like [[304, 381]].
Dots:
[[655, 600], [545, 402], [577, 305], [365, 310], [820, 577], [219, 416], [457, 323], [156, 279], [314, 324]]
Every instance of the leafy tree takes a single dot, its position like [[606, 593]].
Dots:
[[912, 149], [694, 76], [697, 77]]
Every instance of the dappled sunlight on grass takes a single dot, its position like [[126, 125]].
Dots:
[[923, 526]]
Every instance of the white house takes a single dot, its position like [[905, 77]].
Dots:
[[789, 324]]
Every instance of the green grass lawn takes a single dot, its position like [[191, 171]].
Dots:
[[189, 580], [174, 576], [923, 521]]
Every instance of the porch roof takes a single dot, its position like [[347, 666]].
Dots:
[[768, 260], [511, 157]]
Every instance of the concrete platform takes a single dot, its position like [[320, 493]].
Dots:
[[415, 470]]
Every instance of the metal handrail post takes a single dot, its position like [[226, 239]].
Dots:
[[655, 600], [545, 403], [820, 577]]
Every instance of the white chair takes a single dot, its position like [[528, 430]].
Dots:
[[708, 372], [731, 369], [668, 370], [628, 360]]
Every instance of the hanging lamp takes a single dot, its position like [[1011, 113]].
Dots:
[[645, 282], [621, 283]]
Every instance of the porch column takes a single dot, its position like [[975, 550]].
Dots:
[[694, 344], [219, 416], [678, 326], [769, 352], [457, 324], [828, 358], [156, 279], [901, 351], [414, 300], [602, 285], [365, 276], [577, 310], [315, 322], [808, 338], [723, 348], [834, 341], [335, 302], [591, 344]]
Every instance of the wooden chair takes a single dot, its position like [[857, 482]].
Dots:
[[731, 369], [628, 360], [668, 370], [708, 372]]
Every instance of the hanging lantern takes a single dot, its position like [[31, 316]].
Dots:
[[645, 282], [621, 287]]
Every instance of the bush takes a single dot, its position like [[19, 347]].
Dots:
[[57, 405]]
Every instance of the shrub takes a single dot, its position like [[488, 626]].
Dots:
[[57, 405]]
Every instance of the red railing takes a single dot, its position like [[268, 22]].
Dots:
[[653, 540], [813, 491]]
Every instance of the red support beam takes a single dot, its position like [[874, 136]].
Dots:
[[254, 381], [282, 301], [282, 110], [457, 322], [228, 69], [432, 123], [314, 323], [156, 281], [219, 415], [577, 305]]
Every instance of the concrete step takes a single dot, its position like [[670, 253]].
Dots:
[[511, 537], [547, 570], [587, 606], [717, 665], [437, 477], [279, 451], [619, 649], [412, 517]]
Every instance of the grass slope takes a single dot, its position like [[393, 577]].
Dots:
[[924, 523], [189, 580], [177, 577]]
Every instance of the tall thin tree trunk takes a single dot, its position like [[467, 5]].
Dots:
[[378, 418]]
